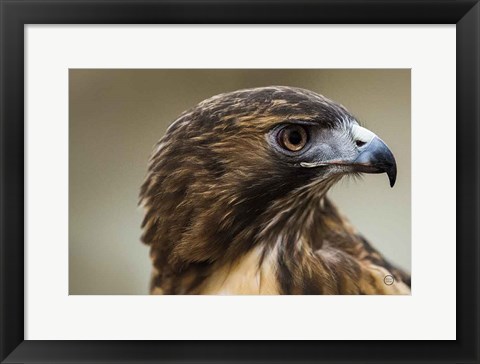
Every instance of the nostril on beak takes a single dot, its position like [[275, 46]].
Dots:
[[360, 143]]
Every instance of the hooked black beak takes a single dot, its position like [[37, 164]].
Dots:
[[376, 157]]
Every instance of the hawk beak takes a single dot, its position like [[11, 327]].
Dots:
[[374, 155]]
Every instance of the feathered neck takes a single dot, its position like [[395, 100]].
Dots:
[[297, 217]]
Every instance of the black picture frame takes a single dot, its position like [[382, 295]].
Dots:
[[15, 14]]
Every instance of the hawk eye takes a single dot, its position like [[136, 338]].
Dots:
[[293, 137]]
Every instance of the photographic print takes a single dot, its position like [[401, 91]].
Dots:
[[233, 182]]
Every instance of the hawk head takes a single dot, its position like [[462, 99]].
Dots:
[[242, 168]]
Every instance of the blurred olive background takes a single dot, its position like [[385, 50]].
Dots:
[[116, 116]]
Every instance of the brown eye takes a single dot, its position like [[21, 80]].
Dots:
[[293, 138]]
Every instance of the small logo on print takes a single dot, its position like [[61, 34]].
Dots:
[[388, 280]]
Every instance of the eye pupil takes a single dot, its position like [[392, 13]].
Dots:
[[293, 138]]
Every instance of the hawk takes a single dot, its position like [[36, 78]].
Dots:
[[236, 199]]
